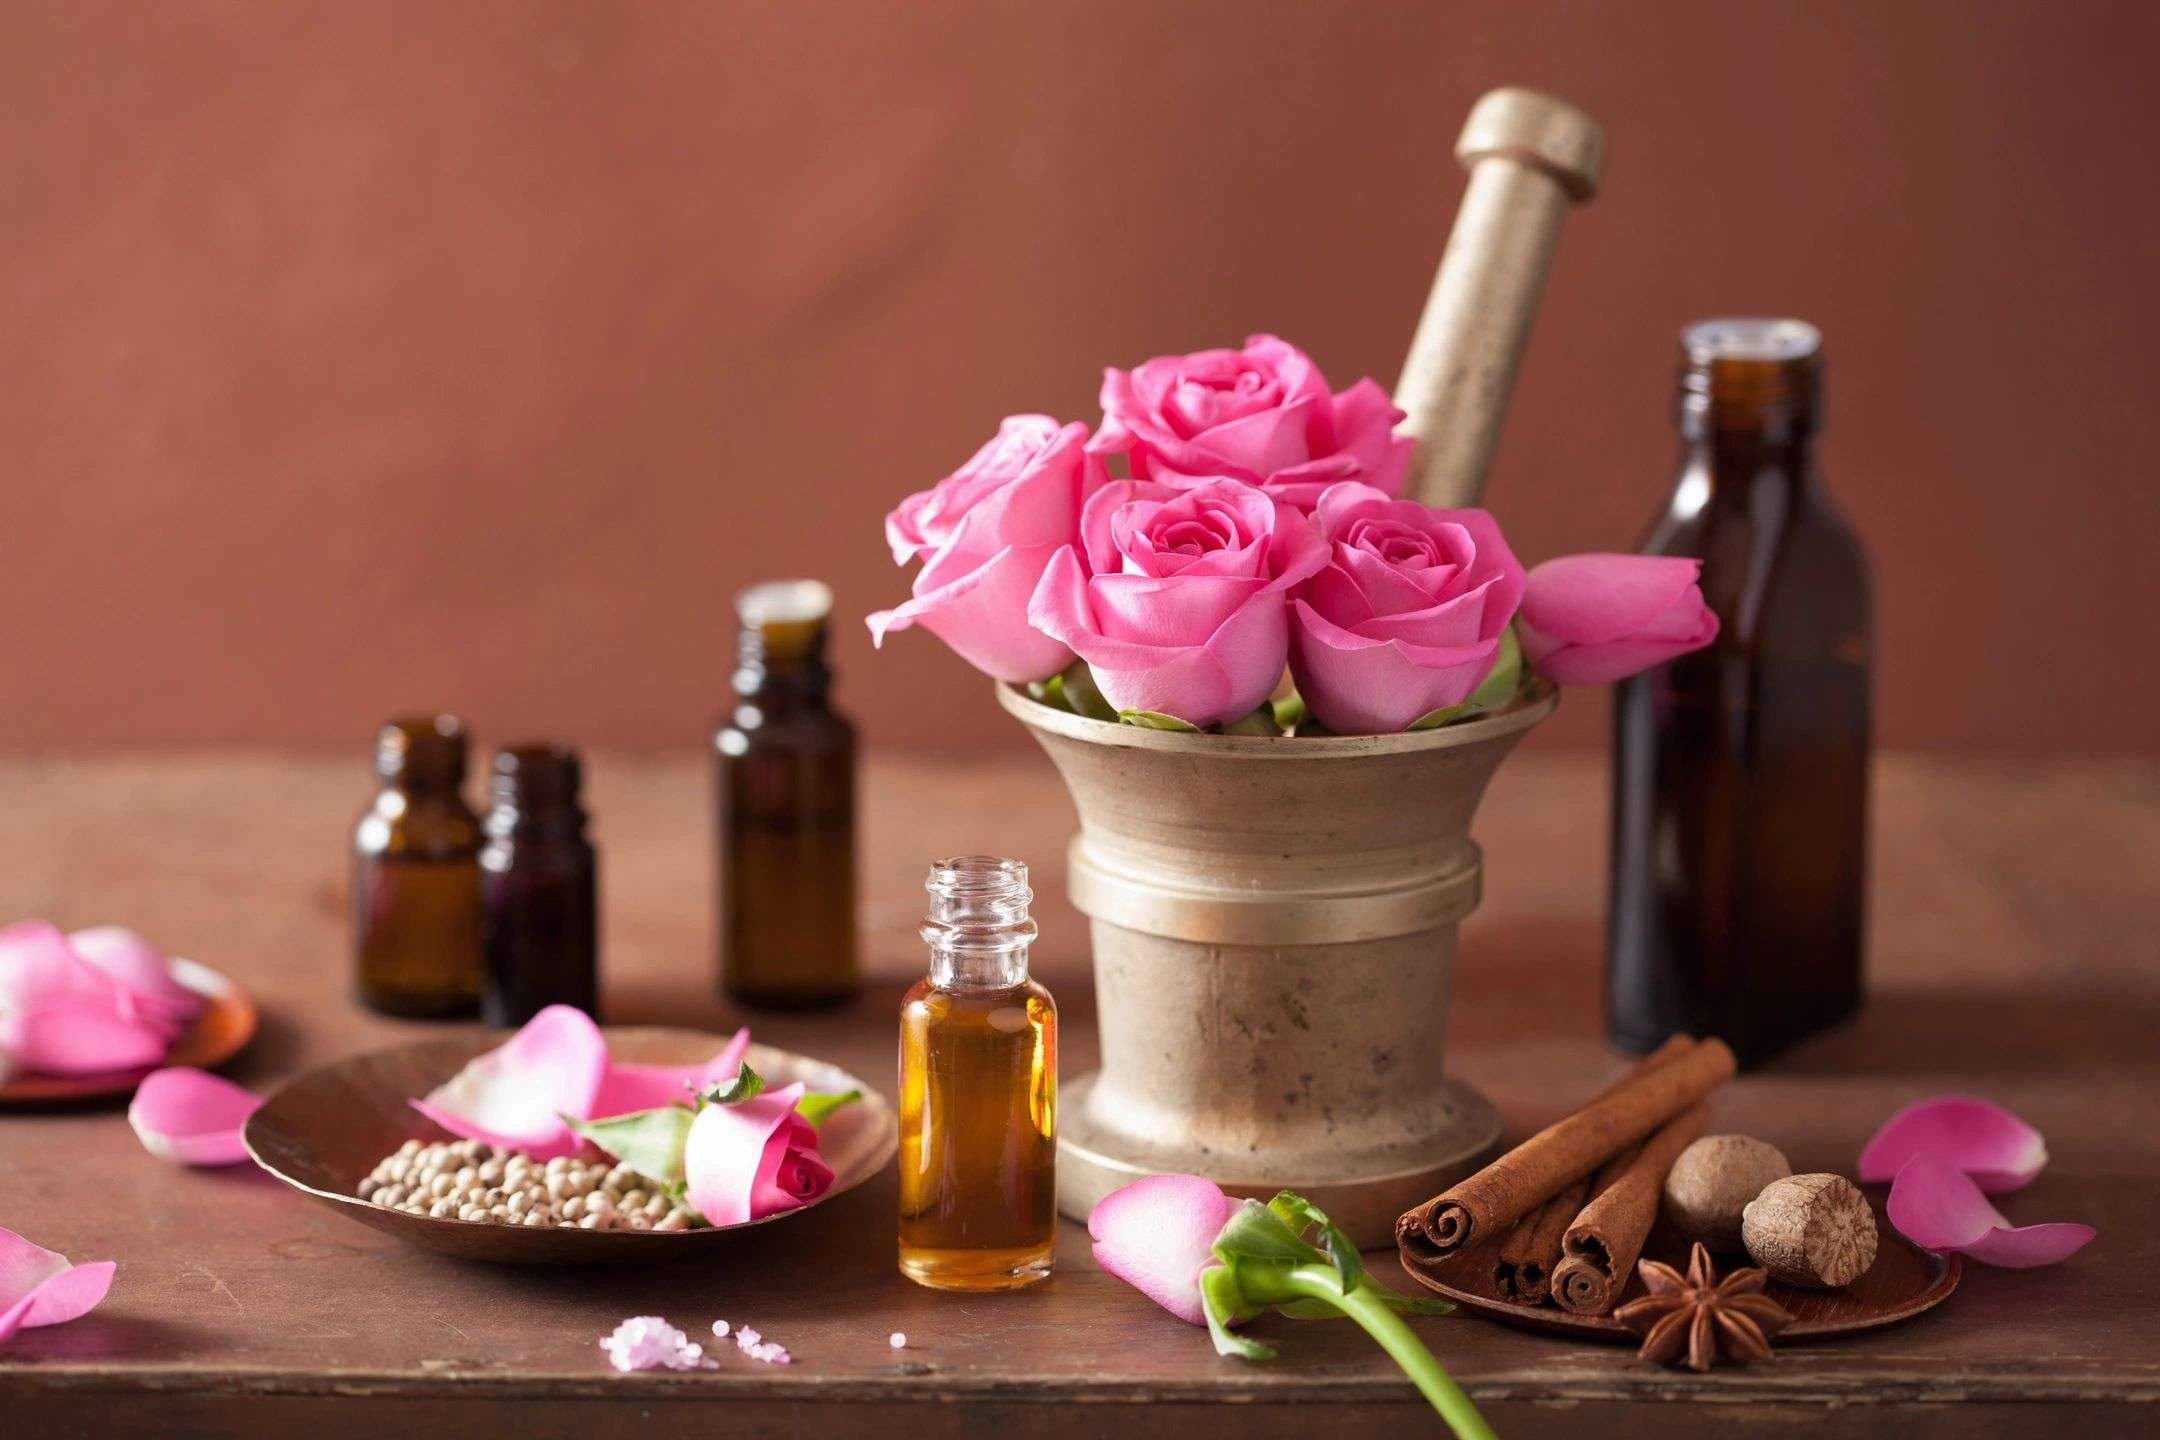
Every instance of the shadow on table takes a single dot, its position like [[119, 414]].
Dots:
[[1926, 1031]]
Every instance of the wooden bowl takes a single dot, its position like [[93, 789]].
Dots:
[[324, 1130], [1903, 1282], [220, 1032]]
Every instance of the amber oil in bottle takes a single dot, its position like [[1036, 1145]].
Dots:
[[538, 888], [786, 809], [416, 876], [978, 1089]]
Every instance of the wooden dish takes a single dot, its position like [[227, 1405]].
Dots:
[[324, 1130], [1903, 1282], [220, 1032]]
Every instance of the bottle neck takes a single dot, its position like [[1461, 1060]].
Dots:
[[777, 685], [1748, 403], [978, 929]]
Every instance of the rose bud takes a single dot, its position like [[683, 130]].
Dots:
[[1180, 607], [1262, 414], [986, 532], [1406, 616], [1592, 619]]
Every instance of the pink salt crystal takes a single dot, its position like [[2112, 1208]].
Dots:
[[747, 1337], [647, 1342], [898, 1340], [719, 1329]]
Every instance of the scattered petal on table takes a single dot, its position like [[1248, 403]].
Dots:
[[185, 1115], [1937, 1206], [516, 1095], [626, 1086], [40, 1287], [1157, 1234], [1987, 1142]]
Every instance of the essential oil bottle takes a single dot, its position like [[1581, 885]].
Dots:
[[416, 876], [978, 1089], [538, 888], [786, 809], [1740, 786]]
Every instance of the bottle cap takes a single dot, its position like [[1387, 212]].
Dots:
[[536, 775], [787, 616], [1747, 375], [422, 749]]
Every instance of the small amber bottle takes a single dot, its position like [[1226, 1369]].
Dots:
[[978, 1089], [538, 888], [416, 876], [786, 809]]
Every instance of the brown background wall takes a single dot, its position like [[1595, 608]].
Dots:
[[367, 355]]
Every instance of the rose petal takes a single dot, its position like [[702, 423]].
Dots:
[[1156, 1235], [148, 990], [191, 1117], [1938, 1207], [516, 1095], [63, 1016], [626, 1086], [744, 1162], [40, 1287], [1987, 1142]]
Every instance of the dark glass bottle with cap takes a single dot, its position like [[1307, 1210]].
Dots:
[[1740, 805], [416, 876], [539, 888], [786, 809]]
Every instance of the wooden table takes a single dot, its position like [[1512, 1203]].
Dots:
[[2015, 953]]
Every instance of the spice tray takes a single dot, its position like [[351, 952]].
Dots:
[[1903, 1282], [323, 1131]]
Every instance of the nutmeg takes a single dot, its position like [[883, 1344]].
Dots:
[[1813, 1230], [1713, 1181]]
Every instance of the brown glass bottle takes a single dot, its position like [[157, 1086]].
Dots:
[[539, 881], [1739, 858], [416, 876], [786, 809]]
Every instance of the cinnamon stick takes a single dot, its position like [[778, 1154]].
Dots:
[[1490, 1202], [1602, 1245], [1523, 1271]]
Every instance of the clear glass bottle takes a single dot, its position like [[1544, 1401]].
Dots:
[[1739, 879], [786, 809], [539, 879], [416, 876], [978, 1089]]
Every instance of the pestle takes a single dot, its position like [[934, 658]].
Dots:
[[1529, 156]]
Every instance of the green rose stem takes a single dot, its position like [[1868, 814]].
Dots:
[[1268, 1261]]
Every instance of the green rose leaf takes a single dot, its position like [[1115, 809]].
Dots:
[[648, 1141], [1499, 685], [1445, 715], [1153, 720], [1261, 722], [746, 1085], [1076, 684], [817, 1106]]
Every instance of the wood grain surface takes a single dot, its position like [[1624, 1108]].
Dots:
[[2014, 954]]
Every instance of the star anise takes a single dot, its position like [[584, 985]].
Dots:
[[1696, 1318]]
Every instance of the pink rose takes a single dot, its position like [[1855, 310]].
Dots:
[[754, 1158], [1180, 605], [1406, 616], [987, 530], [1591, 619], [1263, 415]]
